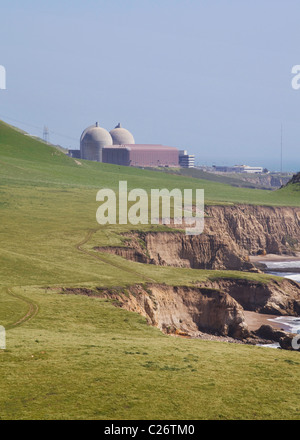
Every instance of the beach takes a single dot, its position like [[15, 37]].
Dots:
[[287, 266], [274, 257], [254, 320]]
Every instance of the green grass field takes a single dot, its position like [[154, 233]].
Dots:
[[74, 357], [233, 179]]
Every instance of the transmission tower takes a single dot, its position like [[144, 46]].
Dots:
[[46, 134]]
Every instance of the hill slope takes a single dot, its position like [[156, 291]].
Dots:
[[295, 180], [24, 160], [71, 356]]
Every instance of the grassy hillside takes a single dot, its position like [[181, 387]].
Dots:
[[255, 181], [24, 160], [78, 357]]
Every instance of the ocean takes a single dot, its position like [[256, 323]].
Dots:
[[287, 269], [291, 270]]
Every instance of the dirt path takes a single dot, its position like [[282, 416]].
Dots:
[[105, 260], [31, 313], [34, 308]]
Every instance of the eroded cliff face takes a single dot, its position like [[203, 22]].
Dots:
[[256, 229], [180, 250], [231, 235], [204, 251], [280, 297], [181, 310], [294, 180], [211, 307]]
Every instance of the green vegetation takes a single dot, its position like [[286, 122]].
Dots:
[[26, 161], [82, 358], [72, 356], [233, 179]]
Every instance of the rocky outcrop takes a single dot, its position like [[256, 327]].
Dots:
[[260, 181], [180, 250], [294, 180], [231, 235], [274, 297], [181, 310], [204, 251], [256, 229], [268, 333], [290, 341], [287, 341], [213, 306]]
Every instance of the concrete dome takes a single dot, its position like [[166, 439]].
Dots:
[[121, 136], [92, 140]]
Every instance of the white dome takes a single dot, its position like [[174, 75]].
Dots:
[[96, 134], [92, 140], [121, 136]]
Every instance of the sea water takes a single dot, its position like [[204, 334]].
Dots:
[[289, 323], [273, 266]]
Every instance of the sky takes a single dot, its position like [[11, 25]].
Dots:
[[210, 76]]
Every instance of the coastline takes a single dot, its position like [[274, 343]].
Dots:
[[286, 266], [254, 320], [274, 258]]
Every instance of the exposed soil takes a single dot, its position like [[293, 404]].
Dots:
[[233, 235], [217, 312]]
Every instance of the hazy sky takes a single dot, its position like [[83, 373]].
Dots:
[[211, 76]]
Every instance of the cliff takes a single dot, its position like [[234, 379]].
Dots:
[[280, 297], [180, 310], [294, 180], [208, 308], [256, 229], [231, 235]]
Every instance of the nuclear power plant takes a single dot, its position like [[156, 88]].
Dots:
[[118, 147]]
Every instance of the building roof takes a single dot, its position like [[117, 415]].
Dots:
[[143, 147], [94, 133]]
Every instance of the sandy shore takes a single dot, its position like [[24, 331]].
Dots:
[[254, 320], [274, 257]]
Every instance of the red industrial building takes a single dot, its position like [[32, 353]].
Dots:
[[141, 155], [118, 147]]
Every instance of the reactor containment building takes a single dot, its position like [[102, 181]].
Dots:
[[118, 147]]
